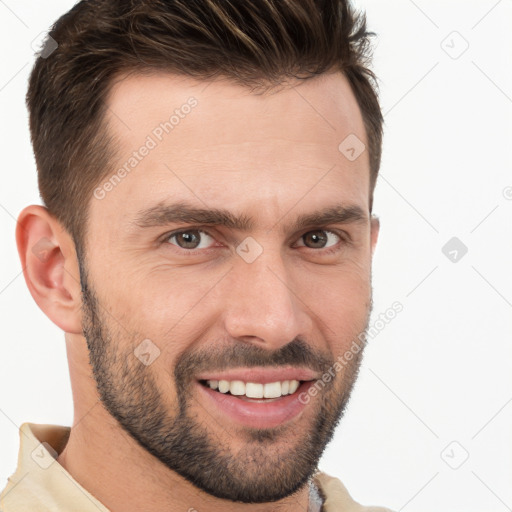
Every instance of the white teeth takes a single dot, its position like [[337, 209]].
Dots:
[[223, 386], [294, 384], [272, 390], [237, 387], [254, 389]]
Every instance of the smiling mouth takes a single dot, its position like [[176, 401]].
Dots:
[[254, 391]]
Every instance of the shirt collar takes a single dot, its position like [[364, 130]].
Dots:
[[40, 481]]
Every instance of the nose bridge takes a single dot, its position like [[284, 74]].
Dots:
[[262, 302]]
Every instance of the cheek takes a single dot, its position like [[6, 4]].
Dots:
[[346, 285], [167, 308], [340, 301], [154, 300]]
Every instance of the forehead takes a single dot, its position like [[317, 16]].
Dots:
[[301, 111], [220, 144]]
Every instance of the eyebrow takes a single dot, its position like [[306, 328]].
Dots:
[[185, 213]]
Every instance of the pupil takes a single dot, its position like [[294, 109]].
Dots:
[[317, 238], [188, 238]]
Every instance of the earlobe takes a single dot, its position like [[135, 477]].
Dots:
[[375, 228], [50, 267]]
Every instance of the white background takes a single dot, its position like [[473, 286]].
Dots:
[[441, 371]]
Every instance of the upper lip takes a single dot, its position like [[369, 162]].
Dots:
[[261, 375]]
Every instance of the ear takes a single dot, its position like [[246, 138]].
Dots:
[[50, 267], [374, 231]]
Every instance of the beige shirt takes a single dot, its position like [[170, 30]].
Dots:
[[41, 484]]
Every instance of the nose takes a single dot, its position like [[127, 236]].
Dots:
[[264, 305]]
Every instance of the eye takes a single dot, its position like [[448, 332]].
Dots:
[[319, 239], [191, 239]]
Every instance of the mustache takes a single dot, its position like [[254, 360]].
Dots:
[[296, 353]]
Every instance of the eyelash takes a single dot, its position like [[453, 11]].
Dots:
[[344, 238]]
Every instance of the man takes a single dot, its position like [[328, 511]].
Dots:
[[207, 170]]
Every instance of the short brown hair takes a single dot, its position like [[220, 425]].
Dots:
[[252, 42]]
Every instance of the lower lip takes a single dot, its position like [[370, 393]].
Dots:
[[264, 414]]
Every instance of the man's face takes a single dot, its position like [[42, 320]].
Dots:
[[257, 297]]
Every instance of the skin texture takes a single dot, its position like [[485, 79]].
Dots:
[[270, 157]]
